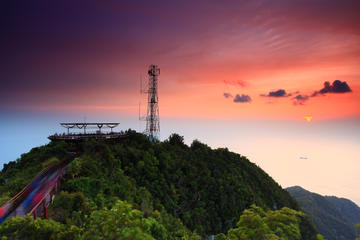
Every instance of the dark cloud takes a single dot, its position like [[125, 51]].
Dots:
[[242, 98], [228, 95], [300, 99], [336, 87], [278, 93]]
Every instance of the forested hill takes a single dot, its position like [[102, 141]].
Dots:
[[334, 217], [179, 191], [347, 207]]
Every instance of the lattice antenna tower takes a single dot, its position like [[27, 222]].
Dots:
[[152, 116]]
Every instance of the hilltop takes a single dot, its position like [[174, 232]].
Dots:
[[168, 190], [334, 217]]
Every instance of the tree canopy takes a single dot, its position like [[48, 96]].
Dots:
[[181, 191]]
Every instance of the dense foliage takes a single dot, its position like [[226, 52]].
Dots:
[[184, 190], [256, 224], [335, 218], [120, 222]]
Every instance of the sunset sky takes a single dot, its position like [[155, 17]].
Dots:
[[236, 74]]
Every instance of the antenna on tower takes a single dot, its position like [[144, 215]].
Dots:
[[152, 116]]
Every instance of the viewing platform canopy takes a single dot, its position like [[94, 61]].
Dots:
[[88, 131], [85, 125]]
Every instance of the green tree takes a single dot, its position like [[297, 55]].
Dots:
[[69, 208], [27, 228], [4, 197], [320, 237], [74, 167], [255, 224], [50, 161], [122, 222], [176, 139], [220, 236]]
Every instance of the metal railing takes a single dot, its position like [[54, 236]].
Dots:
[[38, 193]]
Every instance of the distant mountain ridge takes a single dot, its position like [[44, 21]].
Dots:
[[346, 207], [334, 217]]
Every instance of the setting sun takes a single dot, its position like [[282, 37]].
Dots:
[[308, 118]]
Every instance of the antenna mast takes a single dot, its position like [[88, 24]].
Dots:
[[152, 117]]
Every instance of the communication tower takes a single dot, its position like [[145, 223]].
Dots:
[[152, 116]]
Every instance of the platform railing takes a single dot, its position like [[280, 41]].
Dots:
[[9, 209], [42, 206]]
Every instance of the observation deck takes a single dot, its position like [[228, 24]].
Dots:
[[89, 131]]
